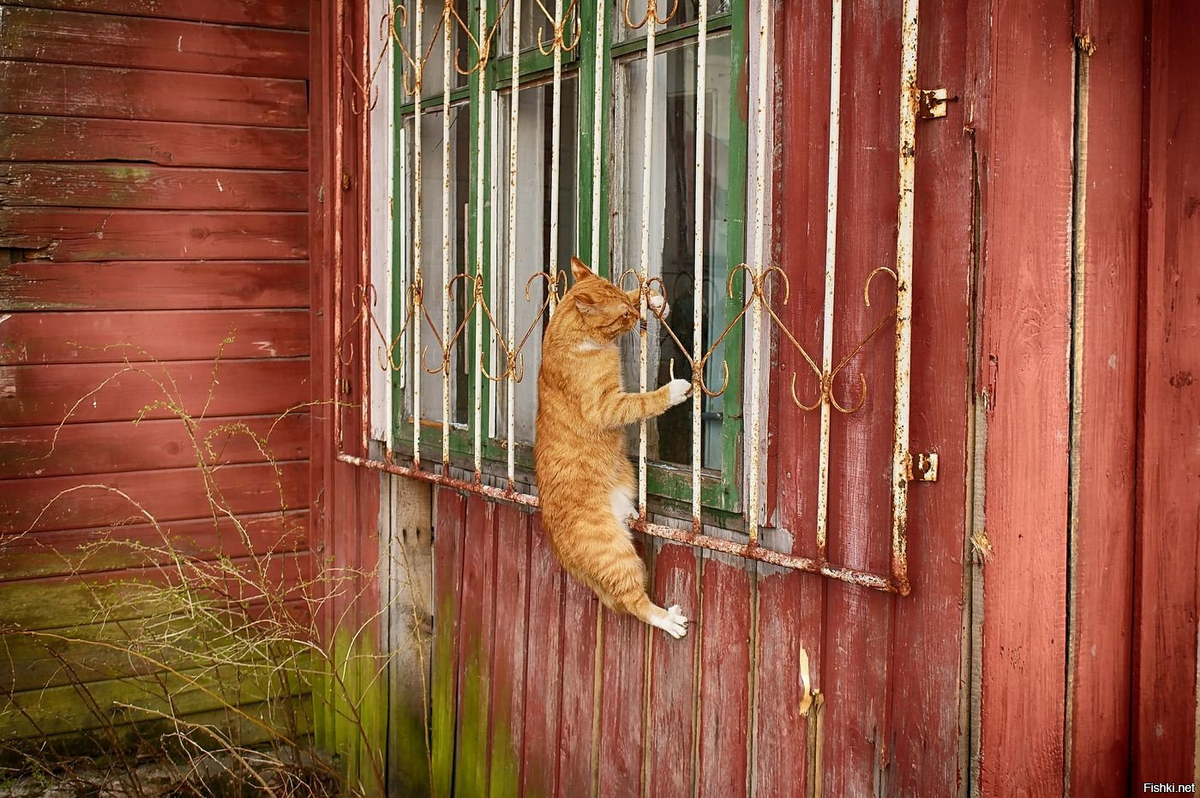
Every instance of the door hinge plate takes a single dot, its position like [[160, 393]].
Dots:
[[931, 103], [923, 467]]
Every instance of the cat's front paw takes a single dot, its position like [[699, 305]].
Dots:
[[677, 391], [658, 306]]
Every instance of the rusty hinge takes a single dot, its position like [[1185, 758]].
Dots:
[[931, 103], [922, 467]]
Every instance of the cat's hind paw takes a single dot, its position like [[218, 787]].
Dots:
[[674, 622]]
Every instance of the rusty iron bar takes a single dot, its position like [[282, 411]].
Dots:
[[688, 537], [909, 102], [364, 235]]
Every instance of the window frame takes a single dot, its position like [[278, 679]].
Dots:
[[668, 484]]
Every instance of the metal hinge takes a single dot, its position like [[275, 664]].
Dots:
[[931, 103], [922, 467]]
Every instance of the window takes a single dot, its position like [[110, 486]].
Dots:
[[506, 166]]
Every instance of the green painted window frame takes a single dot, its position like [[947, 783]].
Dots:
[[721, 491]]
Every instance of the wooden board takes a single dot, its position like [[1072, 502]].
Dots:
[[1024, 129], [40, 338], [161, 285], [66, 37], [447, 587], [58, 602], [509, 658], [673, 689], [1108, 219], [150, 187], [167, 443], [109, 93], [1168, 548], [926, 750], [63, 235], [265, 13], [726, 637], [543, 674], [55, 710], [476, 639], [78, 139], [48, 503], [622, 705], [92, 550], [577, 738], [41, 395]]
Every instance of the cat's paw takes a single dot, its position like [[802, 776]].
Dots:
[[675, 623], [658, 306], [677, 391]]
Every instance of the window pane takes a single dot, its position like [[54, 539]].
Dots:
[[433, 47], [535, 144], [434, 293], [671, 224], [688, 11], [536, 20]]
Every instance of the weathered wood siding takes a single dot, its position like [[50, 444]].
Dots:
[[154, 195]]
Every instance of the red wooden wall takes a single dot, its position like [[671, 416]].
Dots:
[[1049, 646], [154, 196]]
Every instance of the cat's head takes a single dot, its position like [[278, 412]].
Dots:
[[605, 310]]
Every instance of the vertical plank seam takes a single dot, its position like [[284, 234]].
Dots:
[[597, 698], [1078, 222], [752, 679], [698, 672]]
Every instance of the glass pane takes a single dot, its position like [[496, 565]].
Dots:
[[535, 142], [431, 47], [671, 224], [537, 19], [686, 12], [434, 291]]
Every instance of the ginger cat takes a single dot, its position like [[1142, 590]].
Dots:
[[585, 480]]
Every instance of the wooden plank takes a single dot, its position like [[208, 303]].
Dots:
[[266, 13], [476, 628], [68, 37], [56, 710], [447, 584], [792, 605], [1168, 546], [48, 503], [507, 724], [622, 704], [167, 443], [150, 187], [1024, 136], [858, 631], [1108, 218], [543, 679], [111, 596], [73, 139], [110, 93], [161, 285], [96, 652], [78, 551], [40, 395], [577, 739], [786, 626], [727, 598], [926, 746], [61, 235], [41, 338], [673, 690]]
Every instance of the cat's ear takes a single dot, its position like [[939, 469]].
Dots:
[[579, 270], [586, 305]]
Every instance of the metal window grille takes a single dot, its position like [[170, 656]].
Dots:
[[398, 346]]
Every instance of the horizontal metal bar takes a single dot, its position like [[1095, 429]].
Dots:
[[689, 537]]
